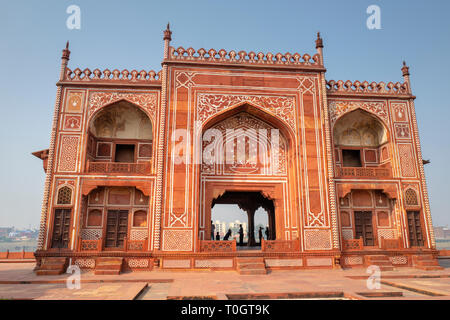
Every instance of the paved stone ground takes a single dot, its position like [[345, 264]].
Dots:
[[17, 281]]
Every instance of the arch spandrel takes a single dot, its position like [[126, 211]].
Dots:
[[147, 102], [360, 128], [259, 140], [338, 109], [278, 110]]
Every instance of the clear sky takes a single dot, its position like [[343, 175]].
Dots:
[[128, 34]]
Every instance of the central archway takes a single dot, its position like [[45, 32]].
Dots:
[[248, 154]]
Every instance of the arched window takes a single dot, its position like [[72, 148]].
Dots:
[[64, 195], [140, 219], [359, 135], [411, 197]]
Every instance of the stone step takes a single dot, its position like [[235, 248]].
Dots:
[[52, 267], [424, 257], [381, 261], [249, 259], [427, 263], [429, 268], [252, 271], [251, 265], [53, 260], [47, 272], [107, 272], [108, 266]]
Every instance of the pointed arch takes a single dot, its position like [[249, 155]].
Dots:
[[360, 125], [256, 111]]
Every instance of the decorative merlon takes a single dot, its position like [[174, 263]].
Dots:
[[115, 75], [242, 57], [368, 88]]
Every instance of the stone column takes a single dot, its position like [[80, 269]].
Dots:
[[251, 227]]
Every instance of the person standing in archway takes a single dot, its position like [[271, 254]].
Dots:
[[217, 236], [260, 234], [227, 235], [267, 233], [241, 235], [213, 227]]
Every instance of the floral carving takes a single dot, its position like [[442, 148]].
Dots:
[[280, 106], [148, 101], [338, 108]]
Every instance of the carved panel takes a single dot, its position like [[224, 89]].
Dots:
[[338, 108], [405, 153], [317, 239], [68, 153], [74, 101], [148, 101], [281, 107], [177, 240]]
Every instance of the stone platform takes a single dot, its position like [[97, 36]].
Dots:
[[18, 281]]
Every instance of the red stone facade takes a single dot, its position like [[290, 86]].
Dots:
[[349, 181]]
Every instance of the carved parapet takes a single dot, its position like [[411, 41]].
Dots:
[[242, 57], [217, 246], [280, 245], [365, 87], [352, 244], [97, 75]]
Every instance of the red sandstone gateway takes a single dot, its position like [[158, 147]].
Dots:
[[345, 184]]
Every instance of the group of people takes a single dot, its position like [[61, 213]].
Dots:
[[240, 232]]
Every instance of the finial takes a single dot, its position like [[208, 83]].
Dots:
[[167, 33], [405, 69], [66, 52], [319, 41]]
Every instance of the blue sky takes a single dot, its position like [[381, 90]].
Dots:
[[128, 34]]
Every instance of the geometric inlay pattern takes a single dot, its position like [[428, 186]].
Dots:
[[317, 239], [214, 263], [85, 263], [138, 263], [91, 234], [138, 234], [399, 260], [169, 263], [317, 262], [177, 240], [406, 160], [68, 154], [353, 260], [284, 262]]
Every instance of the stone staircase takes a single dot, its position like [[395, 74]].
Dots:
[[251, 265], [52, 266], [108, 266], [426, 262], [380, 260]]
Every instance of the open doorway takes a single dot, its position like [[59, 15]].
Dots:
[[244, 216]]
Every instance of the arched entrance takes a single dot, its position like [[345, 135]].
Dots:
[[250, 202], [119, 140], [246, 161]]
